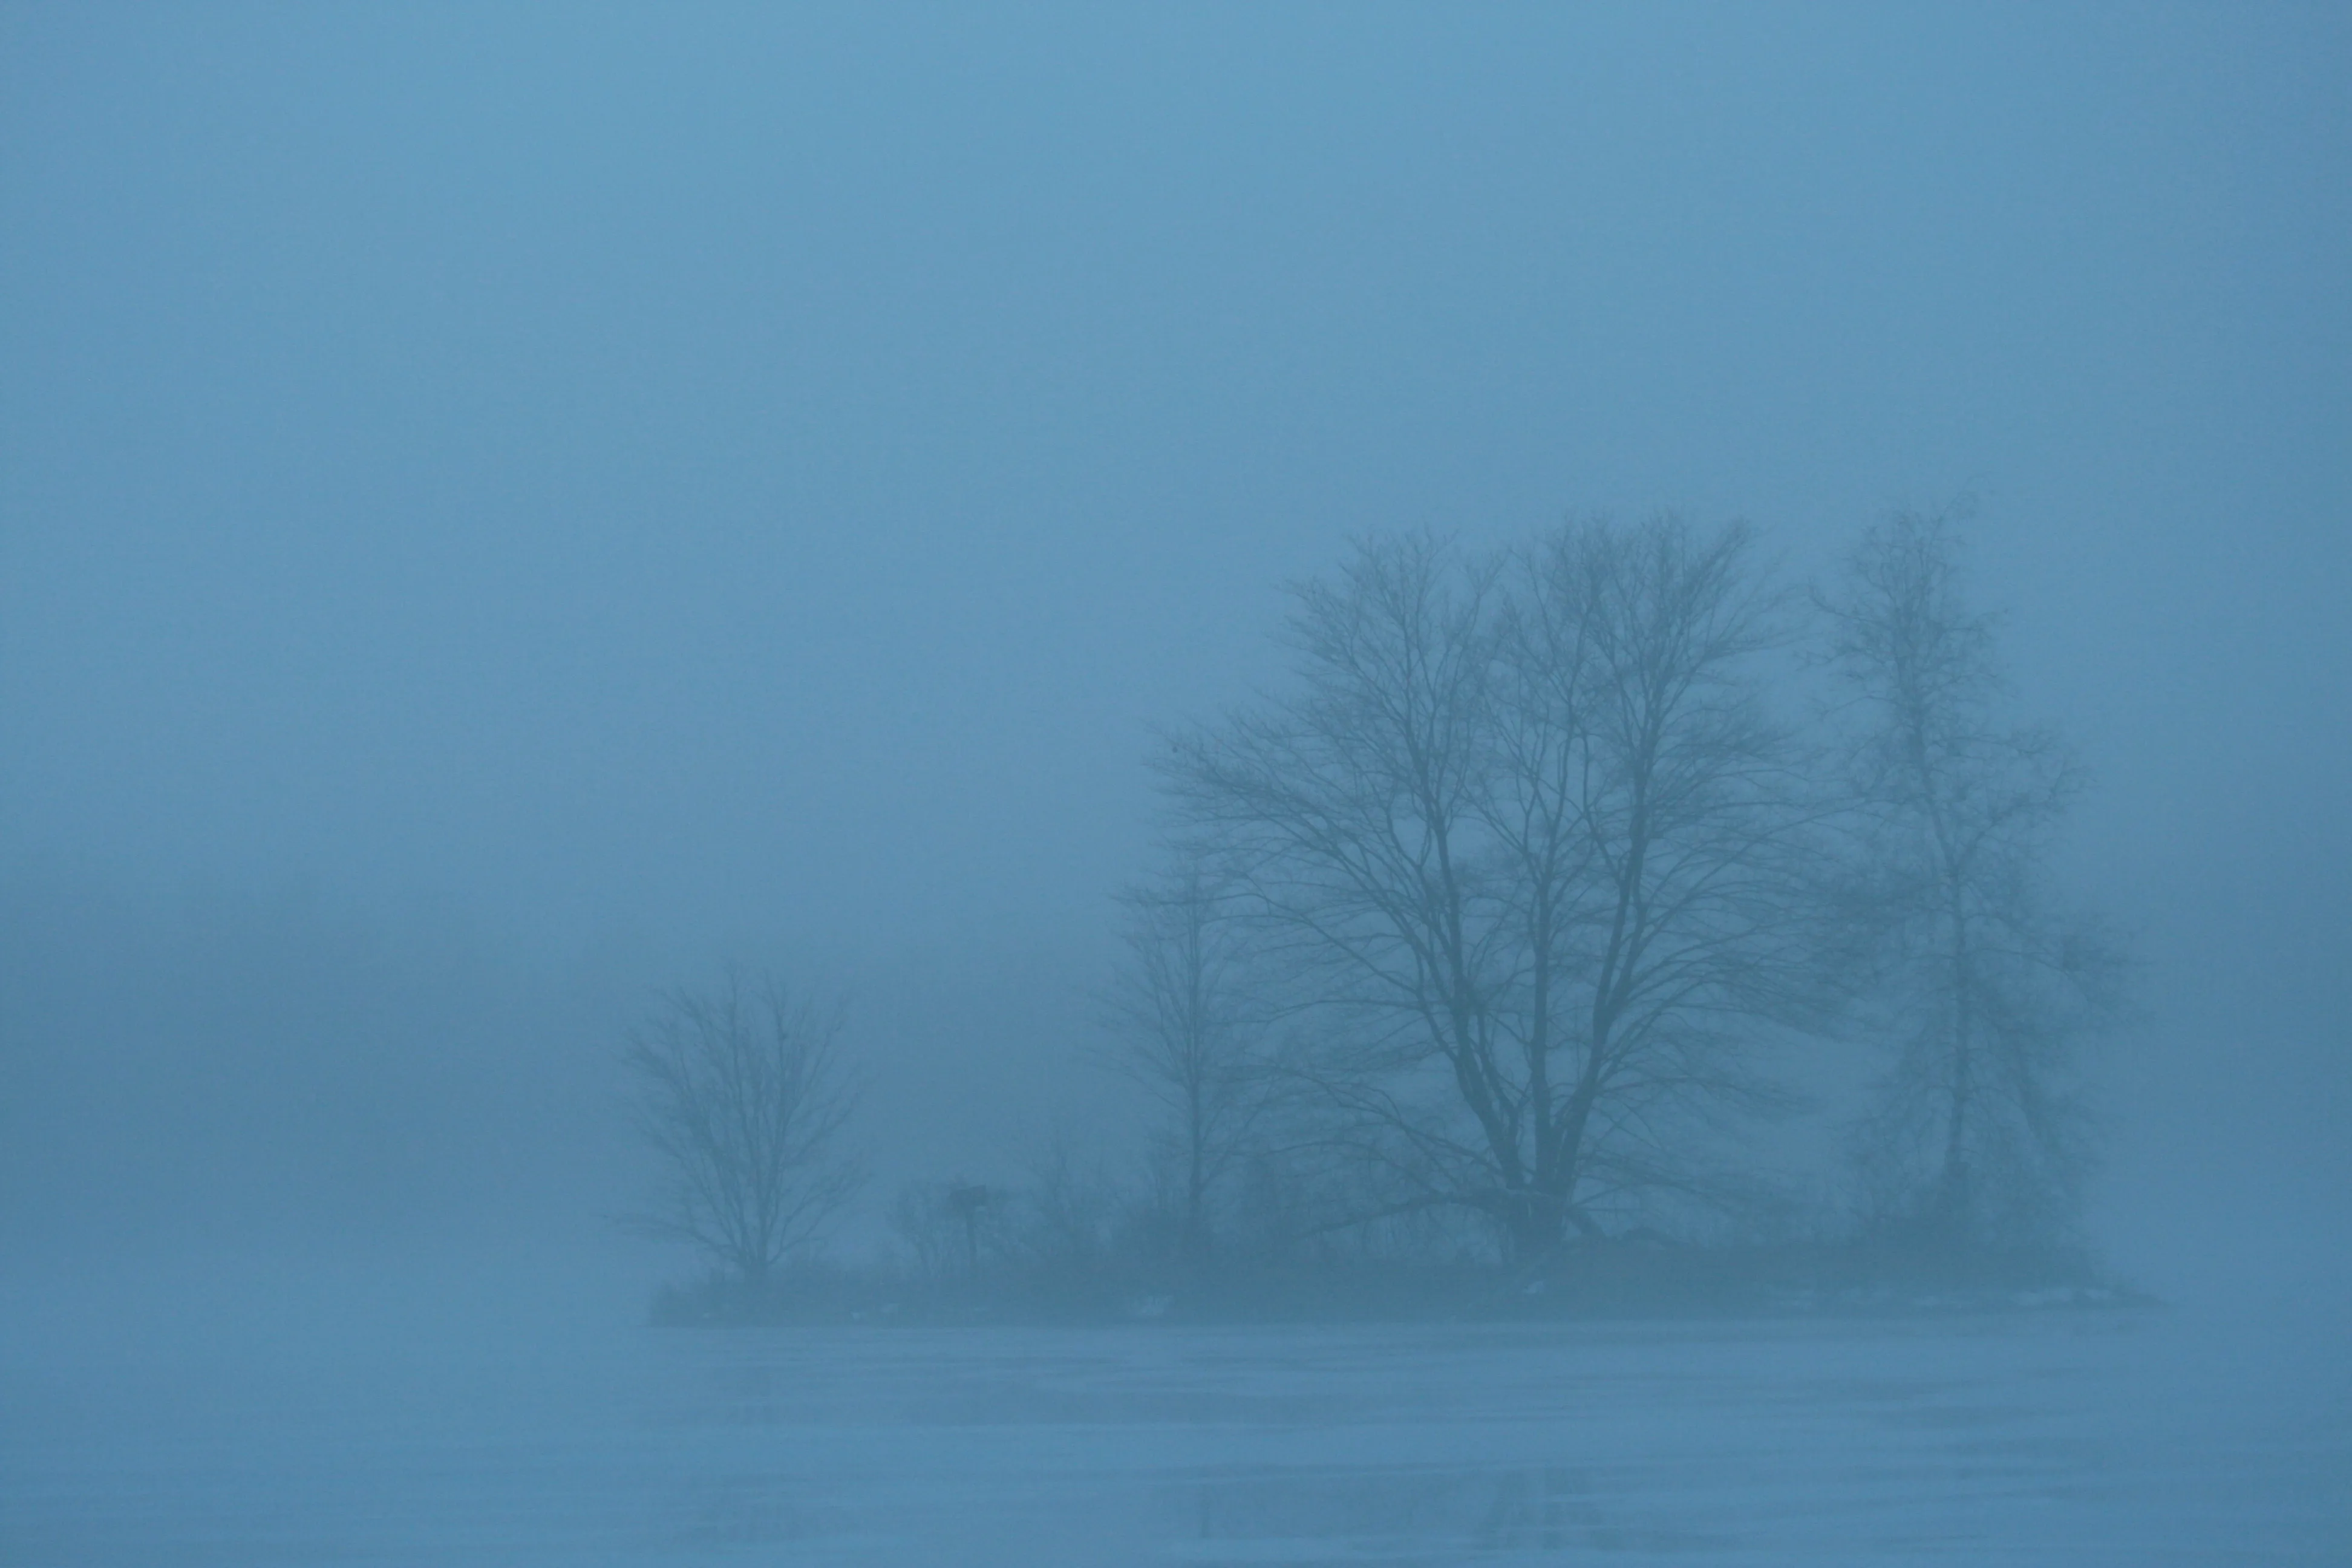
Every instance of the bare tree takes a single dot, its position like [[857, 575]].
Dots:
[[1644, 804], [1519, 840], [743, 1095], [1349, 812], [1983, 987], [1187, 1031]]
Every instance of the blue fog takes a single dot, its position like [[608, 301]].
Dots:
[[502, 509]]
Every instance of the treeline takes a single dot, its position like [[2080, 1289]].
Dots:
[[1484, 937]]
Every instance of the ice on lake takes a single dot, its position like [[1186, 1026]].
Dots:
[[2128, 1436]]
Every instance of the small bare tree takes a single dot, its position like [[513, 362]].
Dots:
[[742, 1096], [1983, 988], [1179, 1005]]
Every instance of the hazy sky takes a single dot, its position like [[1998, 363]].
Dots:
[[607, 489]]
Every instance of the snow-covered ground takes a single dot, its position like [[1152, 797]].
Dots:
[[390, 1436]]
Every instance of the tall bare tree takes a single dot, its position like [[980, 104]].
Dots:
[[1519, 839], [743, 1095], [1984, 987], [1349, 813], [1187, 1028], [1643, 802]]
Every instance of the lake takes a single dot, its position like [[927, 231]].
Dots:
[[451, 1436]]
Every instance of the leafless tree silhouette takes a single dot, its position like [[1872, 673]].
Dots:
[[1188, 1028], [743, 1095], [1981, 987], [1525, 840]]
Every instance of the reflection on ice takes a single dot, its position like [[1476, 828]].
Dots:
[[1424, 1515]]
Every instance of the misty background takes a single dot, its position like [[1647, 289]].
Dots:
[[502, 509]]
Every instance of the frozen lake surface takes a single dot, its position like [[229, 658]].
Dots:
[[2125, 1437]]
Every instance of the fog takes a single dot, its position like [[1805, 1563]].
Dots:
[[504, 509]]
